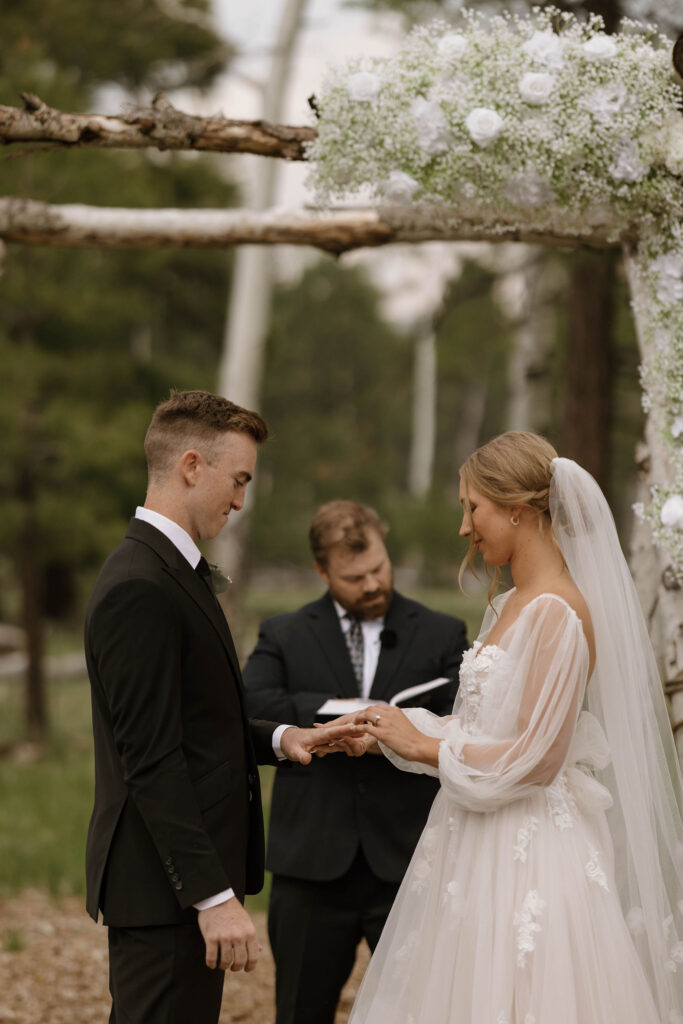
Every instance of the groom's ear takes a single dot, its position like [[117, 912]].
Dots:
[[189, 464]]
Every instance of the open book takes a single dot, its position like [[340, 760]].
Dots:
[[410, 697]]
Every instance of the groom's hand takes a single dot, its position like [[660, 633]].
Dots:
[[230, 936], [300, 744]]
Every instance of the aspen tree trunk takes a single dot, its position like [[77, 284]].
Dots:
[[241, 368], [423, 435], [660, 594]]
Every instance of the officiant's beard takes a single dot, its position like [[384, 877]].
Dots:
[[369, 606]]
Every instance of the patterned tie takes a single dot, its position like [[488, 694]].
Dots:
[[354, 642]]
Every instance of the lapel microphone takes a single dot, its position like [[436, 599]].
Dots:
[[388, 638]]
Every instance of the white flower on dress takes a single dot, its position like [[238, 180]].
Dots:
[[595, 871], [635, 919], [672, 512], [362, 86], [399, 188], [626, 163], [404, 951], [545, 48], [433, 135], [451, 46], [535, 87], [600, 47], [527, 928], [484, 125], [561, 803], [421, 872], [524, 834]]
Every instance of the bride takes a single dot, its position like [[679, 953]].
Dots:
[[546, 886]]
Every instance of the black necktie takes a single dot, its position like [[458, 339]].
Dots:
[[354, 642], [202, 569]]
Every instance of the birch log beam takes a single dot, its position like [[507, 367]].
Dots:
[[160, 126], [29, 222]]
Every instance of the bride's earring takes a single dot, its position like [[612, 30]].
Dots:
[[514, 520]]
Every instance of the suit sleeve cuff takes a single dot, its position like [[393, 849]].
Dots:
[[277, 737], [213, 901]]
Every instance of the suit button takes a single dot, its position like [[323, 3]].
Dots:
[[178, 886], [169, 862], [175, 878], [251, 779], [171, 868]]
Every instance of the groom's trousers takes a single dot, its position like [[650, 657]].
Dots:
[[314, 930], [158, 975]]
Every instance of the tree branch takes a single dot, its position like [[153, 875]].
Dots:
[[160, 126], [29, 222]]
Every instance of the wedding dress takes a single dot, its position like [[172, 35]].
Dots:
[[546, 886]]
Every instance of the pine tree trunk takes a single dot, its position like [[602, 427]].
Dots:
[[423, 434], [585, 431]]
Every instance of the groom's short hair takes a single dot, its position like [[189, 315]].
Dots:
[[195, 419], [343, 525]]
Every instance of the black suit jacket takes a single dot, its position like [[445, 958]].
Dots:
[[177, 813], [320, 815]]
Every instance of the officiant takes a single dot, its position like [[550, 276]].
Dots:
[[343, 831]]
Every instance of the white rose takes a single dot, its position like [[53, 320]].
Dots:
[[626, 163], [400, 188], [362, 86], [529, 190], [672, 512], [606, 101], [600, 47], [669, 270], [676, 431], [451, 46], [545, 48], [535, 87], [484, 125], [433, 134]]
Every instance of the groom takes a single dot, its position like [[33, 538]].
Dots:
[[176, 835]]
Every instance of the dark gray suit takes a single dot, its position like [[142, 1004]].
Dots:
[[342, 832]]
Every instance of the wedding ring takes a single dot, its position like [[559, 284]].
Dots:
[[377, 718]]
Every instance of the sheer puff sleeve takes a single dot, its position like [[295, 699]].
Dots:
[[515, 717]]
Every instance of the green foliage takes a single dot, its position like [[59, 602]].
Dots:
[[337, 394]]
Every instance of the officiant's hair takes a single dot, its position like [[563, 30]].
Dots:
[[195, 419], [513, 469], [345, 525]]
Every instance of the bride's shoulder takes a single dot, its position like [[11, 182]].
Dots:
[[567, 593]]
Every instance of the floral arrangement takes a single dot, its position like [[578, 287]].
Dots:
[[537, 121]]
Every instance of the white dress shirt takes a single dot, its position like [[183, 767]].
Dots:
[[371, 644], [181, 539]]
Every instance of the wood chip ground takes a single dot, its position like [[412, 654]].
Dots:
[[53, 968]]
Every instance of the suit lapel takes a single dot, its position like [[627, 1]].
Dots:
[[180, 570], [400, 619], [326, 628]]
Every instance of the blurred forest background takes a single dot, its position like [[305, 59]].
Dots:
[[92, 340]]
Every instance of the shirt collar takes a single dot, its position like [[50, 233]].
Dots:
[[179, 537]]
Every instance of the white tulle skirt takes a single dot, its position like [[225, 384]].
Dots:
[[508, 917]]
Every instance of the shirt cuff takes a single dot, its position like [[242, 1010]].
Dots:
[[213, 901], [277, 737]]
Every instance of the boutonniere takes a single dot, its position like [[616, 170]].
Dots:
[[219, 579]]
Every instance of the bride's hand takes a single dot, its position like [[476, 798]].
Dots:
[[394, 729]]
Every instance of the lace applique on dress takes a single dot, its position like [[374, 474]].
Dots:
[[561, 803], [595, 871], [474, 669], [526, 926], [524, 834]]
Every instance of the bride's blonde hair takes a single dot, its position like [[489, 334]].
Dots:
[[513, 469]]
